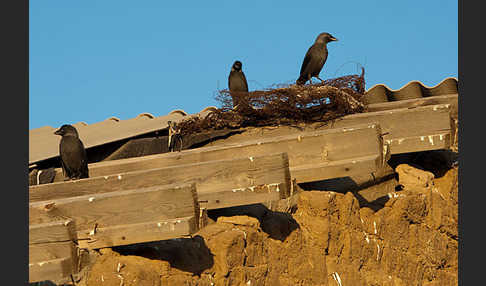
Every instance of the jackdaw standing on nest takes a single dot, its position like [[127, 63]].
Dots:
[[73, 155], [315, 58], [237, 85]]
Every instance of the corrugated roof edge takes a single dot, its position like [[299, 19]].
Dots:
[[178, 111], [378, 90], [43, 144], [146, 114], [413, 89], [116, 119]]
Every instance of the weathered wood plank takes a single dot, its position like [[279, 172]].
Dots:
[[148, 146], [399, 124], [140, 232], [303, 148], [451, 99], [94, 211], [60, 258], [441, 140], [50, 270], [403, 122], [213, 175], [56, 231], [48, 251], [52, 250], [234, 197], [336, 169]]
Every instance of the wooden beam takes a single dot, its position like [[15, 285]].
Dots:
[[52, 260], [48, 251], [148, 146], [440, 140], [248, 195], [407, 125], [55, 231], [451, 99], [54, 269], [220, 175], [403, 121], [139, 232], [156, 203], [303, 148], [337, 169], [52, 250]]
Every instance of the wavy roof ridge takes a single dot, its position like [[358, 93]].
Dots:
[[410, 83]]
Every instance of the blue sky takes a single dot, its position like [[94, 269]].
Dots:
[[90, 60]]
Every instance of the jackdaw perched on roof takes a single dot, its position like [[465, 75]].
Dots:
[[315, 58], [174, 134], [73, 155], [237, 83]]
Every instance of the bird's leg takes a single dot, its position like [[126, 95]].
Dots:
[[310, 80], [320, 79]]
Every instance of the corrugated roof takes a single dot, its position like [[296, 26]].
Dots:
[[43, 144], [413, 89]]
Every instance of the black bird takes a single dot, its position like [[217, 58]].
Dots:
[[174, 134], [237, 83], [315, 58], [73, 155]]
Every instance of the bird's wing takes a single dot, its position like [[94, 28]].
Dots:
[[244, 81], [81, 166], [229, 80], [307, 59], [237, 81], [84, 161], [63, 165], [64, 170], [73, 155]]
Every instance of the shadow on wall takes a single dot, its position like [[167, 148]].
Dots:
[[348, 184], [436, 161], [193, 255], [43, 283], [186, 254], [278, 225]]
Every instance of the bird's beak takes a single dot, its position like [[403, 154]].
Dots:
[[58, 132], [333, 39]]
